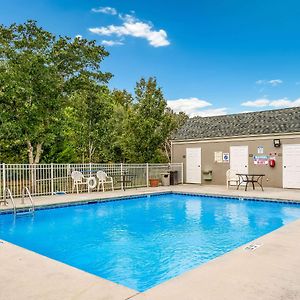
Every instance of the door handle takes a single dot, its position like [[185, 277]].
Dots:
[[284, 167]]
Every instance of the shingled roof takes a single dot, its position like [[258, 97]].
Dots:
[[244, 124]]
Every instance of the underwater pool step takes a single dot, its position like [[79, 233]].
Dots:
[[24, 212]]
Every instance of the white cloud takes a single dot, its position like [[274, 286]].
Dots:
[[194, 107], [245, 111], [105, 10], [78, 36], [111, 43], [272, 82], [260, 81], [275, 82], [136, 28], [212, 112], [277, 103], [257, 103]]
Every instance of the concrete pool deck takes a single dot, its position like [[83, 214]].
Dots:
[[268, 193], [270, 272]]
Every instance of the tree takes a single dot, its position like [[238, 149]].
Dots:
[[38, 73], [177, 120], [122, 109], [89, 123], [149, 124]]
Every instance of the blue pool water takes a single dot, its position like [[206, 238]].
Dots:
[[144, 241]]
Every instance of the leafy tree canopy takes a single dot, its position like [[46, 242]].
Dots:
[[37, 74], [55, 105]]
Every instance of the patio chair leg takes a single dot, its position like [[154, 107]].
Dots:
[[103, 189]]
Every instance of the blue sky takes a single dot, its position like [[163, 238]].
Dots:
[[210, 57]]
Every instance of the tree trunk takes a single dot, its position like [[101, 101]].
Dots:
[[38, 153], [30, 152], [167, 146], [91, 151], [31, 158]]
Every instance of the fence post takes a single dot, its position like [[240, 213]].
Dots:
[[121, 176], [52, 179], [147, 174], [90, 169], [4, 180], [181, 173]]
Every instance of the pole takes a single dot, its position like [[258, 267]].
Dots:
[[147, 174], [122, 187], [4, 181], [52, 179]]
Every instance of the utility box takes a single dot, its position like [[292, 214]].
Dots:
[[207, 175], [173, 177], [165, 179]]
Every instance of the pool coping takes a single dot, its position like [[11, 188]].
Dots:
[[62, 204], [180, 278]]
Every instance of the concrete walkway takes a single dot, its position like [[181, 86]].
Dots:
[[27, 275], [270, 272], [269, 193]]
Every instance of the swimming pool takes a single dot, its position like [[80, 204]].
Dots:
[[144, 241]]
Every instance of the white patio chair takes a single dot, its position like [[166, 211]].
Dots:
[[231, 178], [78, 179], [103, 179]]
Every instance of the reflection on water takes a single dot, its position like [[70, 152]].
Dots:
[[193, 210], [237, 214], [142, 242]]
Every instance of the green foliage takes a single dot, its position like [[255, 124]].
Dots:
[[37, 74], [55, 105], [149, 124]]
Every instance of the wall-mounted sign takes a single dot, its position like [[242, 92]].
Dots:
[[218, 156], [260, 150], [226, 157], [261, 159]]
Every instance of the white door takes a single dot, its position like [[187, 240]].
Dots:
[[291, 166], [239, 159], [193, 165]]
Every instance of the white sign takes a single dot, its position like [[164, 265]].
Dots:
[[218, 157], [226, 157], [260, 150], [261, 159]]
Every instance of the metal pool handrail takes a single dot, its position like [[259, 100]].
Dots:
[[26, 190], [7, 190]]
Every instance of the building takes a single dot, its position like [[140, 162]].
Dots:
[[265, 142]]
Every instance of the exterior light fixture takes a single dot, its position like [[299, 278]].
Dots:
[[276, 143]]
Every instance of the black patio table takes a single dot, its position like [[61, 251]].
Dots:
[[124, 178], [251, 178]]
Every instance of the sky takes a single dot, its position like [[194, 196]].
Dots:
[[210, 57]]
